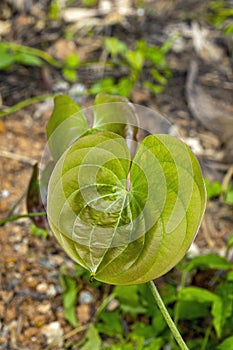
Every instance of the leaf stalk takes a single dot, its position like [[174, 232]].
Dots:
[[167, 316]]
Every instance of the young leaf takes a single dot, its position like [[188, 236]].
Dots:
[[126, 221], [39, 232], [66, 124], [110, 324], [119, 117], [208, 261], [93, 341], [213, 189], [34, 202], [135, 59], [69, 297], [114, 46], [129, 299]]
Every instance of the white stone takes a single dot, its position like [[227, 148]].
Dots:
[[53, 334], [42, 287], [52, 291]]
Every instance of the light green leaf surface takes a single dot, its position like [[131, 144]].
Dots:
[[93, 341], [227, 344], [66, 124], [116, 114], [126, 222], [6, 58], [208, 261]]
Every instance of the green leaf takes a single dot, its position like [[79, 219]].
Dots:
[[106, 85], [129, 299], [199, 295], [229, 197], [225, 292], [155, 88], [126, 221], [227, 344], [155, 344], [93, 341], [39, 232], [208, 261], [114, 46], [27, 59], [213, 189], [7, 59], [158, 76], [143, 330], [110, 324], [70, 74], [118, 117], [72, 61], [125, 86], [159, 324], [192, 310], [230, 276], [69, 297], [136, 59], [66, 124]]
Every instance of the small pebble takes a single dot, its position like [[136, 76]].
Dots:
[[113, 304], [4, 194], [61, 86], [53, 334], [56, 260], [193, 251], [195, 145], [85, 297], [52, 291], [44, 308], [42, 287]]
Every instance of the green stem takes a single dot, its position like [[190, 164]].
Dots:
[[167, 317], [103, 306], [205, 341], [17, 217], [33, 51], [177, 306], [25, 103]]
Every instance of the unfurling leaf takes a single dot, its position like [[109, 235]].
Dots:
[[34, 203]]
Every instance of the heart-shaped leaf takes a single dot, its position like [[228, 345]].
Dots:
[[126, 221]]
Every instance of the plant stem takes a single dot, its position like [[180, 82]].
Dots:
[[25, 103], [17, 217], [177, 306], [205, 341], [35, 52], [167, 317]]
